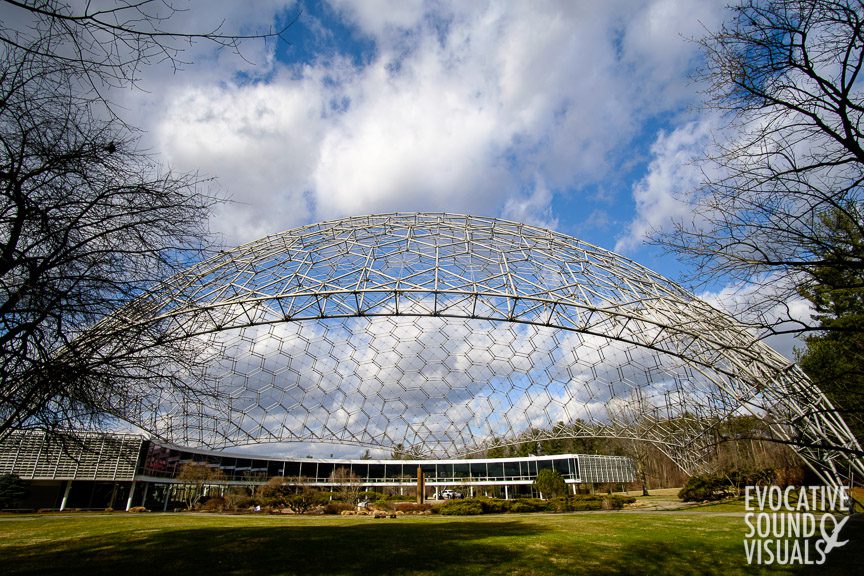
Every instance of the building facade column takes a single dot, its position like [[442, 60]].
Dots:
[[66, 495], [131, 495], [168, 490]]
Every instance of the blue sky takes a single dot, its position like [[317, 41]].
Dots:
[[584, 117], [550, 113], [581, 116]]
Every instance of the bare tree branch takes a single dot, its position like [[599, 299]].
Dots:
[[109, 43], [88, 221], [785, 73]]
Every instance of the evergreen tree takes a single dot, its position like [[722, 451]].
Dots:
[[12, 490], [550, 483], [834, 359]]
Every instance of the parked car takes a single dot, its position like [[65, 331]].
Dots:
[[451, 494]]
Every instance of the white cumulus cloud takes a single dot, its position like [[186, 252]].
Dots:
[[662, 195], [494, 109]]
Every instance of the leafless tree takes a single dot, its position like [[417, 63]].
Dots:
[[785, 74], [641, 455], [196, 476], [347, 483], [88, 221], [109, 43]]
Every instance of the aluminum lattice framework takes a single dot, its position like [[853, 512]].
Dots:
[[452, 333]]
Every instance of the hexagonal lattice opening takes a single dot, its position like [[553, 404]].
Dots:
[[449, 334]]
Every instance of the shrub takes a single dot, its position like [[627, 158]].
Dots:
[[579, 505], [701, 488], [411, 507], [301, 502], [238, 502], [522, 505], [616, 502], [725, 485], [461, 508], [481, 505], [338, 507], [214, 504], [560, 504], [493, 505], [385, 505], [138, 509]]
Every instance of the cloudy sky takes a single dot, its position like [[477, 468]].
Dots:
[[579, 116]]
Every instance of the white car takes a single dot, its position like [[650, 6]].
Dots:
[[451, 494]]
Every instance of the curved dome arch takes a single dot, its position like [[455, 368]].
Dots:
[[330, 285]]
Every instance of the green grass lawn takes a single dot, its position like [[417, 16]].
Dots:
[[689, 542]]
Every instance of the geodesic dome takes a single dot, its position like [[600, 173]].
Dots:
[[447, 334]]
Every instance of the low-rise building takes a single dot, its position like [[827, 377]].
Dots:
[[93, 470]]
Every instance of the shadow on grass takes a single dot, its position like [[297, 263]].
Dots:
[[380, 548], [650, 558], [602, 544], [847, 559]]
